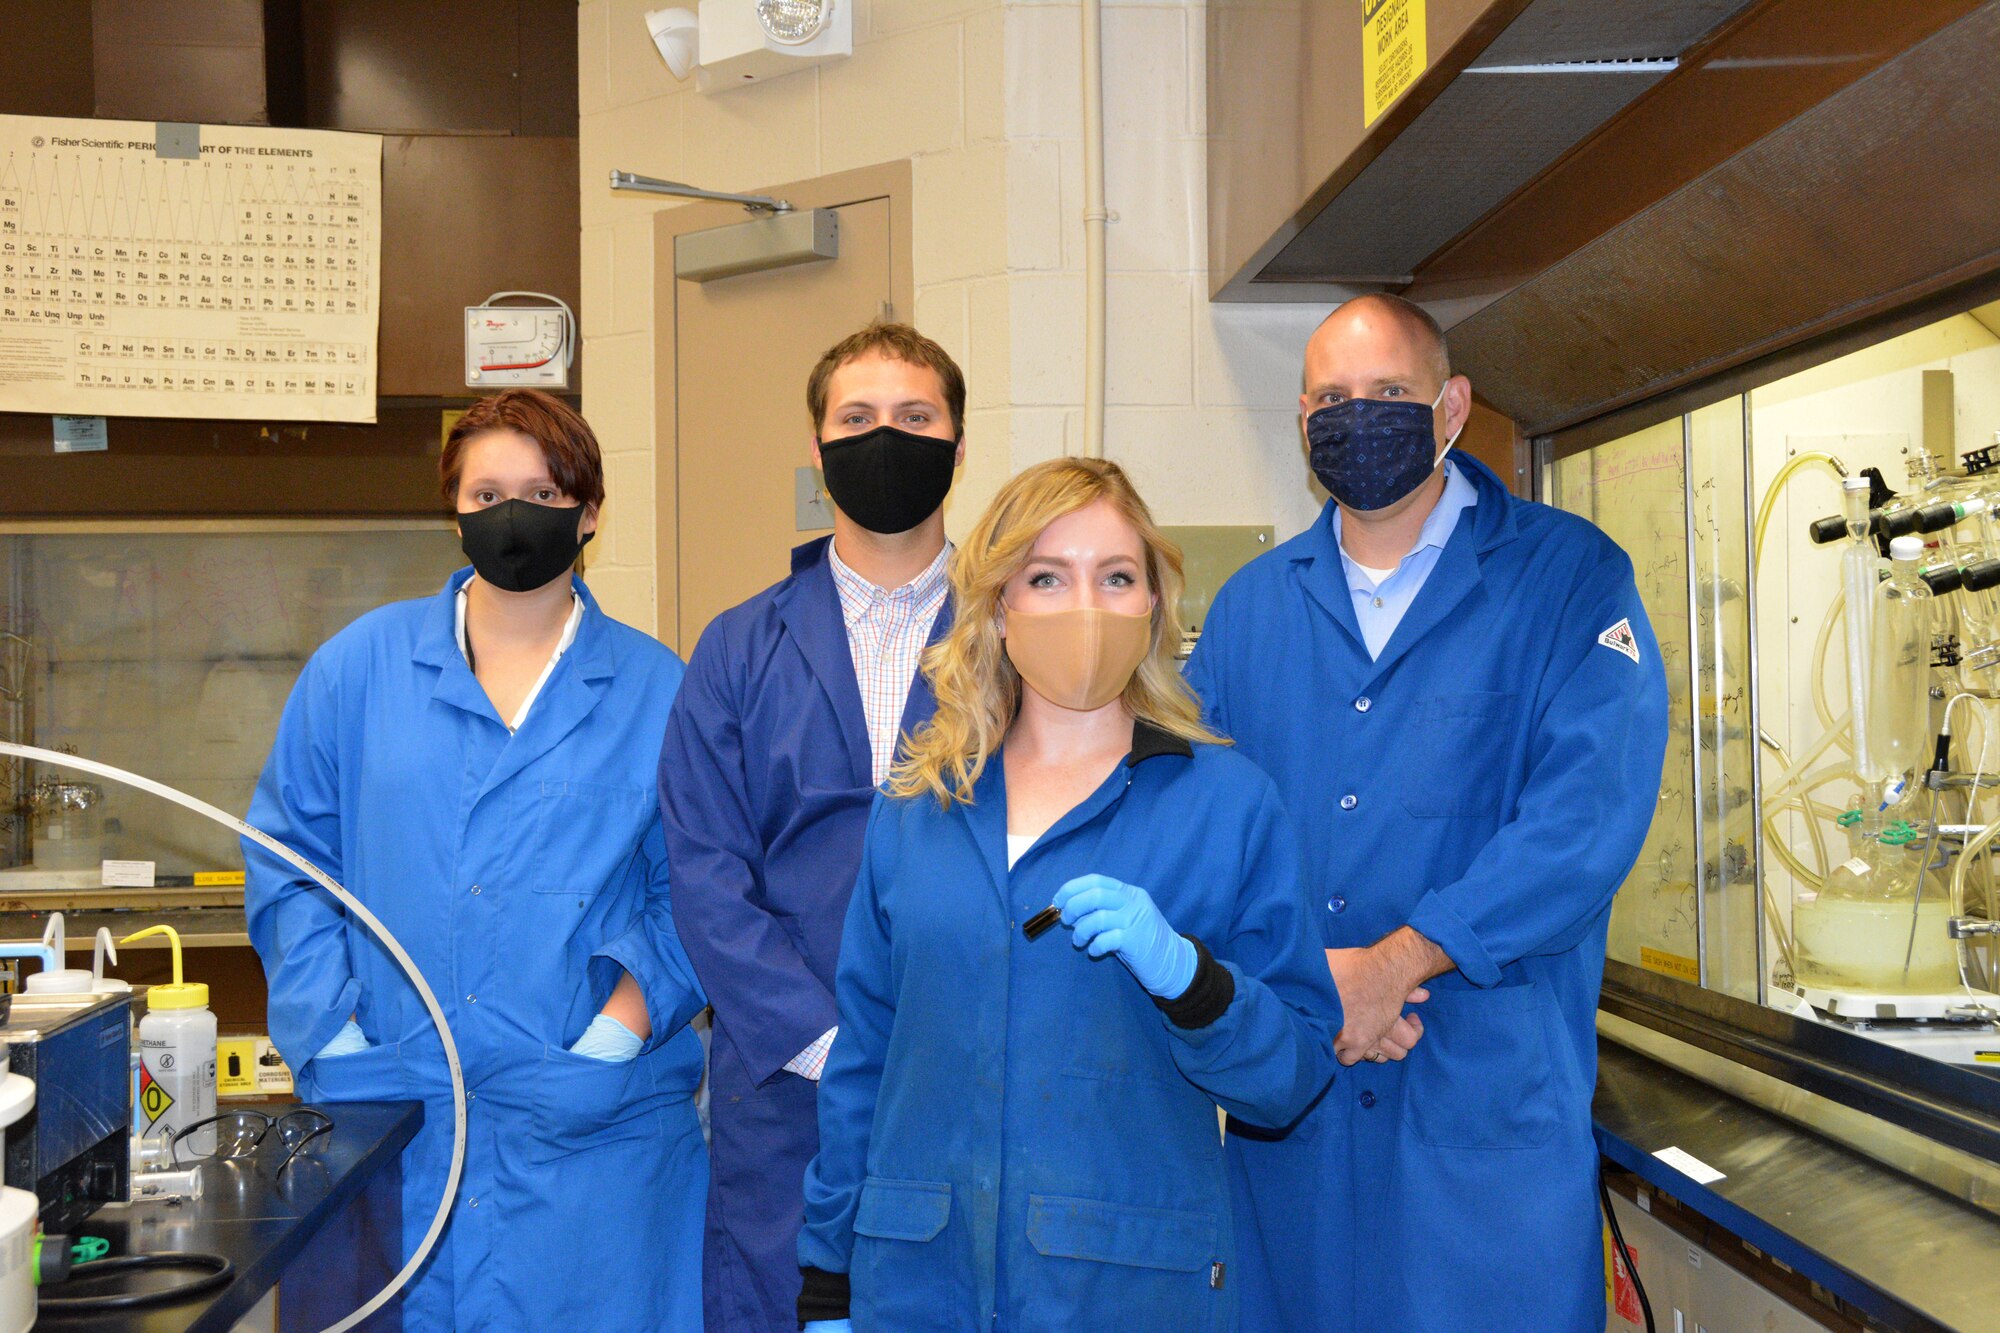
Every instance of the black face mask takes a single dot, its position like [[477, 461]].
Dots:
[[519, 546], [888, 480]]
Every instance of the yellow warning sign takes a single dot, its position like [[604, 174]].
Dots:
[[236, 1067], [1670, 964], [153, 1099], [1392, 52]]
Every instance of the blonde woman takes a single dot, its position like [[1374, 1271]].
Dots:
[[1017, 1123]]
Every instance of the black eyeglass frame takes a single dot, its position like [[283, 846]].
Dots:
[[321, 1126]]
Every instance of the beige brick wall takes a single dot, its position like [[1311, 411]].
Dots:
[[924, 83], [984, 96], [1203, 398]]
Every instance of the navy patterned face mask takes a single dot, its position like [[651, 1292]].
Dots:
[[1371, 452]]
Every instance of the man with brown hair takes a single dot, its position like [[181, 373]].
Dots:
[[789, 718]]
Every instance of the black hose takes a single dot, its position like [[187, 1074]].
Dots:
[[1624, 1251], [217, 1272]]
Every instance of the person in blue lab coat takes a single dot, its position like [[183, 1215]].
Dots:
[[1018, 1125], [793, 706], [466, 766], [1463, 706]]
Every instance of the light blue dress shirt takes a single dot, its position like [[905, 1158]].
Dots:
[[1380, 607]]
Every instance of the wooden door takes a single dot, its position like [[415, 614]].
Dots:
[[741, 349]]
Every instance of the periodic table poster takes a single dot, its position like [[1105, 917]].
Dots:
[[188, 271]]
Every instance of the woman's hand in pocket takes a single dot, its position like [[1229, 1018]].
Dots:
[[608, 1040], [349, 1040]]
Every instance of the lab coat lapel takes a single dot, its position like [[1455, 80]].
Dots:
[[1451, 580], [811, 612], [917, 709], [572, 692], [1456, 576], [986, 818], [986, 824], [1325, 580], [437, 646]]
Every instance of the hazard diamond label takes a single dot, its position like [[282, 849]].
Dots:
[[154, 1099]]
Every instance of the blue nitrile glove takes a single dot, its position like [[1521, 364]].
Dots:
[[345, 1042], [830, 1326], [1105, 917], [608, 1040]]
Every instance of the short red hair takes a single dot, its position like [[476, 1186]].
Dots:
[[575, 463]]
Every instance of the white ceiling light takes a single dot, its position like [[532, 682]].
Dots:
[[673, 32], [794, 22], [743, 42]]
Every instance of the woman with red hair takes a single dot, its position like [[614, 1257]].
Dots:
[[478, 768]]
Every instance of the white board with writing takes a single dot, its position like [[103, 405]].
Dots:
[[240, 281]]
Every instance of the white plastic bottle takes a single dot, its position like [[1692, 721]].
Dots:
[[177, 1058], [61, 979]]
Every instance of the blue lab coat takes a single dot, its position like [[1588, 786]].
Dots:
[[1488, 780], [765, 781], [1013, 1135], [514, 869]]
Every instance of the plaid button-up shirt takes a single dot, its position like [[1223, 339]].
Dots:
[[886, 633]]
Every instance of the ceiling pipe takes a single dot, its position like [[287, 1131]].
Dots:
[[1094, 219]]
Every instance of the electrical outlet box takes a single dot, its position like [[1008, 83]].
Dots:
[[513, 345]]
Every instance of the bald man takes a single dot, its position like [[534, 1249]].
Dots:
[[1463, 706]]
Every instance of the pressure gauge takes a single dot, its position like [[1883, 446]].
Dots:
[[513, 345]]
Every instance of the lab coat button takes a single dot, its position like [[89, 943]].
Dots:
[[472, 999], [1336, 904], [473, 1202], [1367, 1098], [475, 890], [1349, 802], [1362, 705]]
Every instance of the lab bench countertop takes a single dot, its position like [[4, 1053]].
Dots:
[[260, 1222], [1907, 1255]]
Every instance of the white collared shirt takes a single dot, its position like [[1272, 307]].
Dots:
[[562, 646]]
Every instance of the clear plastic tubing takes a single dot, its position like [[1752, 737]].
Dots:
[[1899, 699], [1859, 573]]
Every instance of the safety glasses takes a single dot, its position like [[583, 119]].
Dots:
[[240, 1133]]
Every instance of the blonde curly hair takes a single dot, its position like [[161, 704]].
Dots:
[[978, 690]]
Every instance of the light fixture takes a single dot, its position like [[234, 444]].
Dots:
[[794, 22], [674, 34]]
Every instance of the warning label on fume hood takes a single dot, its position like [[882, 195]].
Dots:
[[1392, 52]]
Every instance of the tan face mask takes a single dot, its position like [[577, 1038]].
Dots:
[[1079, 659]]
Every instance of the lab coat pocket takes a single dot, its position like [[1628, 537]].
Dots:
[[1455, 752], [901, 1274], [371, 1075], [602, 1165], [599, 822], [1152, 1265], [582, 1103], [1482, 1076]]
